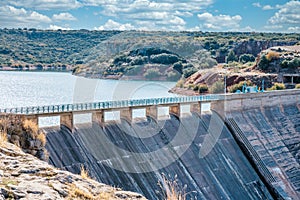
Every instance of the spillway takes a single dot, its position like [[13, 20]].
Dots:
[[270, 137], [206, 162]]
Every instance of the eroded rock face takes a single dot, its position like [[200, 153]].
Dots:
[[22, 176]]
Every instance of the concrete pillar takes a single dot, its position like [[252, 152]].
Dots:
[[151, 111], [67, 120], [196, 107], [126, 113], [175, 109], [98, 116], [219, 107]]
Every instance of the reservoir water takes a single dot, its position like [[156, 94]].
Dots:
[[20, 89], [51, 88]]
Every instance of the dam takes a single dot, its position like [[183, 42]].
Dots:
[[246, 147]]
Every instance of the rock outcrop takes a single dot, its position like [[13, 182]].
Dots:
[[23, 176]]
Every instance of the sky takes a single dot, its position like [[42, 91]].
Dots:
[[154, 15]]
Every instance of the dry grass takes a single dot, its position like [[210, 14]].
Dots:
[[272, 55], [171, 189], [76, 193], [107, 195], [84, 173], [42, 137], [31, 127], [3, 138], [3, 132]]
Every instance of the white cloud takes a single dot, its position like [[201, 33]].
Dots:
[[219, 22], [55, 27], [44, 4], [257, 4], [247, 29], [295, 29], [152, 15], [267, 7], [63, 17], [274, 27], [20, 17], [113, 25], [287, 16]]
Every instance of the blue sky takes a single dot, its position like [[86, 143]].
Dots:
[[170, 15]]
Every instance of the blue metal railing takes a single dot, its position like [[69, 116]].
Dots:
[[109, 104]]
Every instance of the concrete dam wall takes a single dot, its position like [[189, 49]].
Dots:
[[197, 151], [255, 154], [272, 139]]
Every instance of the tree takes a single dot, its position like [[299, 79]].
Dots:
[[178, 66], [263, 63], [231, 57], [244, 58], [189, 71]]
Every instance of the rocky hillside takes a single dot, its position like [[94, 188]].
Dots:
[[274, 68], [23, 176]]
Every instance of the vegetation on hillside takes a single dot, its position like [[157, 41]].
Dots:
[[105, 54], [24, 48], [24, 134]]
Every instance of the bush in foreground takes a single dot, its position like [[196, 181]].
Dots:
[[277, 86]]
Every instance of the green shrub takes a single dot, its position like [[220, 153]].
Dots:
[[217, 87], [164, 58], [239, 86], [294, 63], [190, 86], [277, 86], [297, 86], [244, 58], [231, 57], [202, 88], [178, 66], [189, 71], [180, 83], [263, 62]]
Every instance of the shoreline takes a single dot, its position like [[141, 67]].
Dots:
[[184, 91]]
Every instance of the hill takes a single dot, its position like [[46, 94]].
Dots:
[[110, 54], [274, 68]]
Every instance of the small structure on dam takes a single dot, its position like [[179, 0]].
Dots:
[[246, 147]]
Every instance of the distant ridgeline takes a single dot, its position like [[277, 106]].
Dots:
[[129, 54]]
